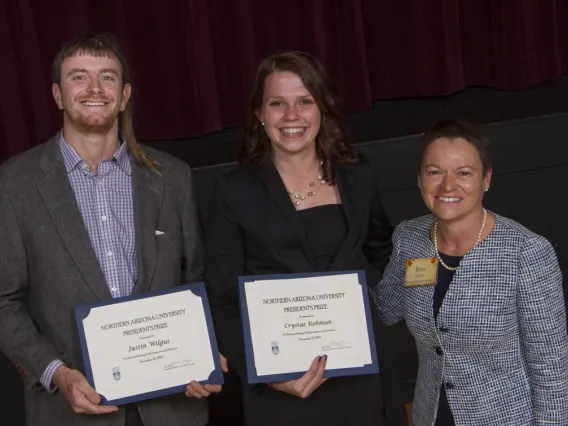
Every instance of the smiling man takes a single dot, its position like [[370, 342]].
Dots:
[[88, 216]]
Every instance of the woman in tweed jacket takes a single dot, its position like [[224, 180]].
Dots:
[[488, 316]]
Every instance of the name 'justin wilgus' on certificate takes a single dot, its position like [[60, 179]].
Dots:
[[147, 345], [294, 320]]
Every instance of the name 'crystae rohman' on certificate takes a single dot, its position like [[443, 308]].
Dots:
[[148, 344], [294, 320]]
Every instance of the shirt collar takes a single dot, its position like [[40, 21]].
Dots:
[[123, 158], [72, 159]]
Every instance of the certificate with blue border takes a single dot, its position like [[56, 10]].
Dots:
[[290, 319], [148, 345]]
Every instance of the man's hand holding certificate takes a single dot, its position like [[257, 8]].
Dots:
[[290, 319], [149, 345]]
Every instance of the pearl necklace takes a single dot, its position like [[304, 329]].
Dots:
[[298, 197], [452, 268]]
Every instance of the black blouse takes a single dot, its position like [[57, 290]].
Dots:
[[326, 228], [445, 276]]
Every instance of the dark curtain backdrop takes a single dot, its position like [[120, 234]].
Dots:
[[193, 61]]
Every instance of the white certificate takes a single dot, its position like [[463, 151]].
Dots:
[[149, 345], [291, 319]]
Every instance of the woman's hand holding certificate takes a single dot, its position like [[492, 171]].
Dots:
[[308, 383]]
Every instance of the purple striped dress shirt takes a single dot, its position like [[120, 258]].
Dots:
[[106, 206]]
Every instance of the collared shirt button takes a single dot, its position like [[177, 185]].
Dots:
[[103, 218], [109, 253], [114, 289]]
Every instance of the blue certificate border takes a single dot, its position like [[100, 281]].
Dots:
[[198, 289], [252, 377]]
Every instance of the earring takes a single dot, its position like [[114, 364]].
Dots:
[[262, 122], [486, 189]]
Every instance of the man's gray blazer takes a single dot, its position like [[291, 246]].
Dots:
[[47, 266]]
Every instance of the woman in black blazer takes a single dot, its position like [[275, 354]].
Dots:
[[302, 200]]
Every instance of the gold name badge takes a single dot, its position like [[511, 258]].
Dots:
[[420, 272]]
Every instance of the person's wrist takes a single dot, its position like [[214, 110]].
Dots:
[[59, 374]]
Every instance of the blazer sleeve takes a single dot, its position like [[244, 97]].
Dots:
[[224, 262], [377, 246], [389, 293], [542, 320], [20, 339], [192, 261]]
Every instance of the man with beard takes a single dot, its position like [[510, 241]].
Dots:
[[88, 216]]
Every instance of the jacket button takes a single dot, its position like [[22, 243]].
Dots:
[[450, 385], [444, 329], [439, 350]]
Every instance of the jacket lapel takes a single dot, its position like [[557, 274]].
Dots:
[[61, 204], [420, 300], [350, 202], [349, 193], [277, 192], [147, 194]]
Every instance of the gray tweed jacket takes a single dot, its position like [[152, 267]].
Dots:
[[47, 265]]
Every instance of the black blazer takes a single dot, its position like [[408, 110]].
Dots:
[[252, 228]]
